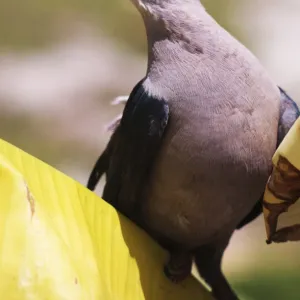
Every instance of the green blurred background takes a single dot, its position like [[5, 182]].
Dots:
[[62, 62]]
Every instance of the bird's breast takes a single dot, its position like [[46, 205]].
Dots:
[[213, 165]]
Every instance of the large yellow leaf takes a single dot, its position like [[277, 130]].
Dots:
[[282, 193], [59, 241]]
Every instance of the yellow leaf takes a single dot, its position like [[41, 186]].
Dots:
[[60, 241]]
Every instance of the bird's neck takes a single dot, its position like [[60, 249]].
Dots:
[[172, 29], [173, 16]]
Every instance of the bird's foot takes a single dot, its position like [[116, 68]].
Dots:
[[179, 267]]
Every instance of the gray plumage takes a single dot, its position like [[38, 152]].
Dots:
[[192, 153]]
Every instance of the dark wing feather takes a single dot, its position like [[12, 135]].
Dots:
[[102, 163], [139, 135], [289, 113], [105, 159]]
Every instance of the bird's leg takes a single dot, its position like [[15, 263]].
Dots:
[[179, 266], [208, 261]]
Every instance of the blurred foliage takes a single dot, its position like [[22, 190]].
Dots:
[[42, 20], [26, 134], [278, 285], [32, 23]]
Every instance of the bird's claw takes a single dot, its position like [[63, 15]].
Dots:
[[174, 277], [178, 268]]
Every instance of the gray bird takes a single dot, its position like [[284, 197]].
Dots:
[[192, 153], [289, 113]]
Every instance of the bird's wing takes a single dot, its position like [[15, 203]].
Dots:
[[289, 113], [139, 136], [102, 164]]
